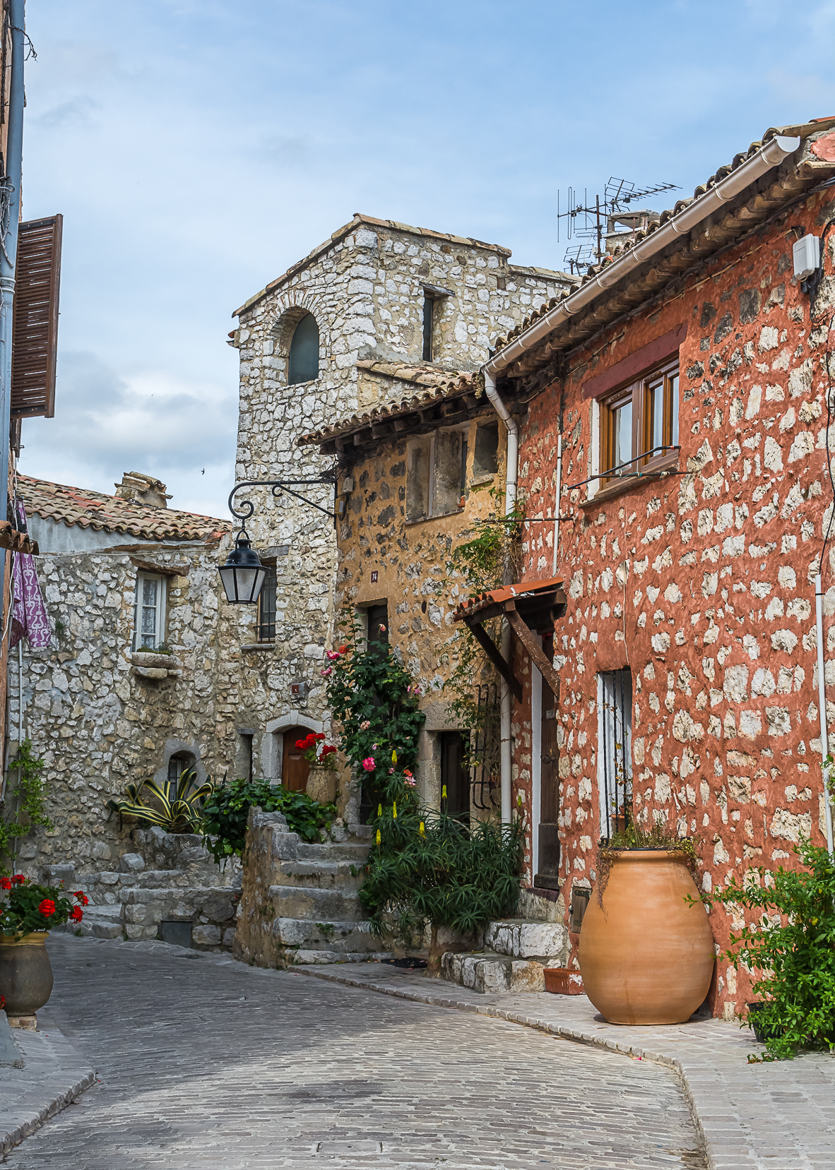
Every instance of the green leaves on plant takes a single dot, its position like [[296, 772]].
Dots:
[[175, 805], [792, 947], [23, 805], [225, 813]]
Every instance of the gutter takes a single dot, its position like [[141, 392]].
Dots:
[[702, 207]]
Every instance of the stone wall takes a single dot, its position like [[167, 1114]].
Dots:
[[701, 583], [365, 288]]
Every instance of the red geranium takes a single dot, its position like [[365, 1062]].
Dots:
[[47, 907], [5, 883], [18, 879], [76, 914], [82, 897]]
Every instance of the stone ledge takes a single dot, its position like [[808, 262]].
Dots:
[[53, 1076]]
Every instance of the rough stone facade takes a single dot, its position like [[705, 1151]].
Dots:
[[365, 287], [702, 583]]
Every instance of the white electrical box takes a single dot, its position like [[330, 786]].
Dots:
[[806, 253]]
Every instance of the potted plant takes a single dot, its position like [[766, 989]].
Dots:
[[321, 756], [27, 912], [646, 948], [790, 947]]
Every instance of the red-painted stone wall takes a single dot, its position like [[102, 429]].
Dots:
[[701, 583]]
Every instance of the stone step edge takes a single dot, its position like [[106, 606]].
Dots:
[[19, 1122]]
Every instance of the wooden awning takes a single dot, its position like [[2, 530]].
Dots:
[[35, 327], [531, 608]]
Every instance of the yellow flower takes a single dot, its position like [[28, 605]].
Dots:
[[394, 810], [443, 792], [379, 810], [394, 757], [422, 829], [379, 837]]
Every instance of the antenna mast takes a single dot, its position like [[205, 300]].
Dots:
[[598, 221]]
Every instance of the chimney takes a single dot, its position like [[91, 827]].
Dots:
[[142, 489], [622, 227]]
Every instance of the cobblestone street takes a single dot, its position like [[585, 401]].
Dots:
[[206, 1064]]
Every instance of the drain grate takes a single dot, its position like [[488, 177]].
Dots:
[[351, 1146]]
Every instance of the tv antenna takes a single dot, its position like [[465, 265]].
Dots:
[[598, 218]]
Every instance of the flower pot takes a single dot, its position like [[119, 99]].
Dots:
[[25, 973], [646, 953], [762, 1032], [321, 784]]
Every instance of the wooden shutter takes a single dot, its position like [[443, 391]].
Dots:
[[35, 337]]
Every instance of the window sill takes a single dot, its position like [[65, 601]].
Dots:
[[429, 519], [248, 647], [629, 483], [149, 664]]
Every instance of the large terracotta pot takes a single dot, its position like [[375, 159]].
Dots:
[[321, 784], [646, 954], [25, 973]]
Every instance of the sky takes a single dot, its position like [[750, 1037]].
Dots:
[[197, 149]]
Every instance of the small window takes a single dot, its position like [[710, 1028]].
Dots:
[[303, 363], [639, 424], [486, 453], [614, 749], [178, 763], [265, 621], [149, 616], [377, 623], [437, 479], [428, 327]]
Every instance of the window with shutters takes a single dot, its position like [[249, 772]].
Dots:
[[35, 324], [436, 481]]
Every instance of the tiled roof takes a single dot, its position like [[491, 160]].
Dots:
[[81, 507], [371, 221], [737, 161], [518, 592], [437, 385]]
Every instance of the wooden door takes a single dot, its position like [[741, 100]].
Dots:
[[294, 767]]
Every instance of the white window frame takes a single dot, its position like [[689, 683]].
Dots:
[[608, 733], [140, 639]]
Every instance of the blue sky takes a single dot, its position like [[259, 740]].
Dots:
[[197, 148]]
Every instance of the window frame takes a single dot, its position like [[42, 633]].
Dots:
[[295, 340], [161, 608], [260, 623], [430, 441], [644, 458]]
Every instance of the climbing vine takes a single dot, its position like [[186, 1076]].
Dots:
[[23, 805]]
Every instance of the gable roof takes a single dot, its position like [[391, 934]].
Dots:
[[83, 508], [758, 180], [405, 229]]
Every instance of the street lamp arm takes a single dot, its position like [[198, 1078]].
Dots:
[[244, 509]]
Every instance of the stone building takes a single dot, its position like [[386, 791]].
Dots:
[[677, 427], [131, 687], [376, 314]]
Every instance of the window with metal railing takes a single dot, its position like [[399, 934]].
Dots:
[[614, 750]]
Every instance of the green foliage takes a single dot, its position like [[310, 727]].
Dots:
[[23, 803], [225, 812], [175, 806], [377, 705], [791, 947], [429, 869], [29, 906], [634, 836]]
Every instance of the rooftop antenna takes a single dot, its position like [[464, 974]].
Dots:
[[592, 219]]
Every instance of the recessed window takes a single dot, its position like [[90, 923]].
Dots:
[[303, 362], [377, 623], [436, 482], [614, 749], [265, 619], [178, 763], [428, 327], [149, 614], [486, 453], [639, 424]]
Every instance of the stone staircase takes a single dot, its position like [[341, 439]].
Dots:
[[515, 954], [300, 901]]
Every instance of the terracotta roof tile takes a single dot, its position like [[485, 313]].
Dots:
[[88, 509], [480, 601]]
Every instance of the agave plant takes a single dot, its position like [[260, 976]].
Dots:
[[174, 805]]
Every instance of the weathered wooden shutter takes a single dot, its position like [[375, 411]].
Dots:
[[35, 337]]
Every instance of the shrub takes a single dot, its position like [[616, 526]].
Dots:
[[792, 947], [226, 810], [176, 805], [24, 805]]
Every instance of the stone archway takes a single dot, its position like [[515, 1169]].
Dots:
[[272, 743]]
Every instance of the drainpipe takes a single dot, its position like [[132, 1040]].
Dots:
[[8, 253], [558, 493], [827, 799], [511, 474]]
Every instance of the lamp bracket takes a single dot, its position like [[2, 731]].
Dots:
[[244, 509]]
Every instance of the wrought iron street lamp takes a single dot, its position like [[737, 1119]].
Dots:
[[243, 574]]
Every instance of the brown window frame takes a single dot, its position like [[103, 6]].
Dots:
[[645, 458]]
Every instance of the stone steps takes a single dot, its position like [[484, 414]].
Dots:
[[98, 922], [322, 875], [516, 952], [356, 851], [301, 935], [323, 905]]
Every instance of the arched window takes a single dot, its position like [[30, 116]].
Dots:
[[304, 351], [178, 763]]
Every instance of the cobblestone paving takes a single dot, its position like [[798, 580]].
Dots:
[[210, 1065]]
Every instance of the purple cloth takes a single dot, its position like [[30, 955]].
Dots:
[[29, 616]]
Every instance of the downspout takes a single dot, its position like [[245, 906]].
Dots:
[[10, 189], [511, 477], [824, 732]]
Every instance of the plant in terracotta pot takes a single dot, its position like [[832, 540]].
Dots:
[[27, 912], [646, 948]]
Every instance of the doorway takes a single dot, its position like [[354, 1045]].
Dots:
[[546, 778], [294, 767], [455, 775]]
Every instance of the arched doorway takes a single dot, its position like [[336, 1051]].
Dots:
[[294, 767]]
